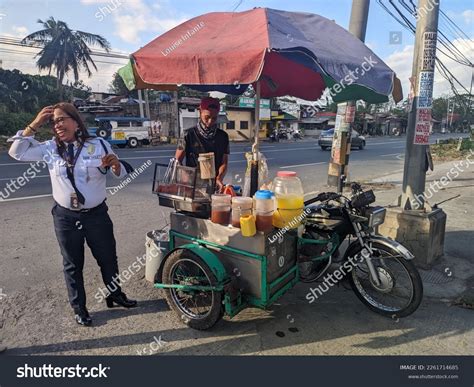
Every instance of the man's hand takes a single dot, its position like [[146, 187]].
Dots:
[[113, 162], [219, 184]]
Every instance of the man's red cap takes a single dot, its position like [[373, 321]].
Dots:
[[209, 103]]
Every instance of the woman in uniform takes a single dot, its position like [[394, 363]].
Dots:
[[78, 165]]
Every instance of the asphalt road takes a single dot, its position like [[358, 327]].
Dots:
[[35, 317], [382, 155]]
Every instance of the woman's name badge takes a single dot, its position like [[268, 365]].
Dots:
[[74, 202]]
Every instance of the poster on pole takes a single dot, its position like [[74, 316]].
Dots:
[[422, 126], [425, 90], [428, 60], [423, 108], [350, 113]]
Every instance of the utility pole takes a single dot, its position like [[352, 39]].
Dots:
[[341, 147], [147, 105], [419, 118], [447, 116], [453, 108], [176, 130], [140, 103]]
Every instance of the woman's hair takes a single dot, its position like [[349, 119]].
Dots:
[[81, 134]]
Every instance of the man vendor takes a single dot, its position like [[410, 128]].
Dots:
[[206, 137]]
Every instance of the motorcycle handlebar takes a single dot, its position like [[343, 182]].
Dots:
[[322, 197]]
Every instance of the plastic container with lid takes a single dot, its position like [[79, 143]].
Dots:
[[207, 165], [241, 206], [220, 209], [289, 200], [264, 209]]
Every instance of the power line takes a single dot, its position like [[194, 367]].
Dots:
[[17, 42], [443, 70]]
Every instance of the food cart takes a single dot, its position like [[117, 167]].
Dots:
[[212, 270]]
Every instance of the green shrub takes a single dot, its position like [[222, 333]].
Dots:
[[10, 123]]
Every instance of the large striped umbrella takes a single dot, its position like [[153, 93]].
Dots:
[[278, 52]]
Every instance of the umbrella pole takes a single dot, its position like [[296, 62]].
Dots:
[[255, 146]]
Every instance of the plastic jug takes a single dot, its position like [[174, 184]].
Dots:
[[247, 225], [220, 209], [289, 200]]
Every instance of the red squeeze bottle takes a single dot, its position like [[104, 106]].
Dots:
[[229, 190]]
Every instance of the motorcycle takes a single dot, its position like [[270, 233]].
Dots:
[[274, 137], [382, 273], [297, 135]]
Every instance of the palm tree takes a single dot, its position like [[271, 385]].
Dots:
[[64, 49]]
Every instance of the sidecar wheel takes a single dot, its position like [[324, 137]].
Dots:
[[198, 309]]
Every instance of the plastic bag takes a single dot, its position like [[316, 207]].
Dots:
[[262, 172]]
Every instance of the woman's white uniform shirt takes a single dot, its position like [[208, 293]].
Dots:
[[90, 181]]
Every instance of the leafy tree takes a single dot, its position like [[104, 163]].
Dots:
[[64, 50], [117, 86]]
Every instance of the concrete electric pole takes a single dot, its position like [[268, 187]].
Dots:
[[419, 118], [421, 231], [341, 147]]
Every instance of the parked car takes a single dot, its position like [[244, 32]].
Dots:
[[326, 137]]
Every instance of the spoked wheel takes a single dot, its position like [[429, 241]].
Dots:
[[400, 290], [199, 309]]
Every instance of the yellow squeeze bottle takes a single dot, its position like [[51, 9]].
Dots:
[[248, 227]]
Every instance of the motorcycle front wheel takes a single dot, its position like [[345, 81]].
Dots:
[[400, 290]]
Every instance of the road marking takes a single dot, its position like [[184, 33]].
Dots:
[[141, 158], [26, 197], [384, 143], [25, 163], [390, 154], [160, 150], [16, 178], [244, 161], [302, 165]]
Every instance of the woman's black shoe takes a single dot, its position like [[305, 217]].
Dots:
[[120, 299], [82, 318]]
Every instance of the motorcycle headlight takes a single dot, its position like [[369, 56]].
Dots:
[[376, 215]]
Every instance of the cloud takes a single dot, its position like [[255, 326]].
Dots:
[[401, 62], [131, 18], [93, 2], [17, 32], [468, 16]]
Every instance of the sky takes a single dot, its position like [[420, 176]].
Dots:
[[130, 24]]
